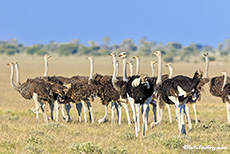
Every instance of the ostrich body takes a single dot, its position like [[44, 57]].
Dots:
[[139, 92]]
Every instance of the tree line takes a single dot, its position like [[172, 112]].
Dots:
[[173, 51]]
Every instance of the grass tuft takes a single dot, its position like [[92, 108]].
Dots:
[[115, 150], [13, 117], [173, 143], [84, 148], [53, 126], [34, 145]]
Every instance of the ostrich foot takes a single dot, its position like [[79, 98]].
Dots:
[[103, 120], [153, 124]]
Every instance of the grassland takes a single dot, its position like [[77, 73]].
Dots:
[[19, 132]]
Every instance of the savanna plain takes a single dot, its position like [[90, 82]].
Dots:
[[20, 133]]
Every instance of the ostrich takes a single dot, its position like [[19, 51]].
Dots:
[[130, 63], [179, 90], [169, 65], [37, 89], [119, 86], [139, 92], [203, 81], [225, 96], [137, 58], [81, 87], [155, 99]]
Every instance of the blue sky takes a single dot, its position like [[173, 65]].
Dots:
[[39, 21]]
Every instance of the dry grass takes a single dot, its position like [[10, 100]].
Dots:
[[19, 132]]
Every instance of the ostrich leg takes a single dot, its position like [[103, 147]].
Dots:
[[228, 110], [194, 108]]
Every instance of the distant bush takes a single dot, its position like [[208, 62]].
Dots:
[[9, 49], [168, 58], [35, 48], [67, 49], [41, 52]]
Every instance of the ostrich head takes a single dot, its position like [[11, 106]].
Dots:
[[89, 58], [168, 65], [130, 62], [224, 72], [11, 63], [122, 55], [16, 63], [47, 56], [198, 74], [157, 53], [205, 54], [113, 54], [136, 57]]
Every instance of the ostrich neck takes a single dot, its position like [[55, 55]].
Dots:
[[206, 67], [225, 80], [159, 77], [114, 68], [124, 69], [17, 74], [131, 69], [137, 66], [46, 67], [152, 67], [91, 69], [170, 72], [12, 78], [117, 69]]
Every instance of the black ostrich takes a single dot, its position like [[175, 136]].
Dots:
[[139, 92], [179, 90]]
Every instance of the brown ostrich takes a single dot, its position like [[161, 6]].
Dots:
[[38, 90]]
